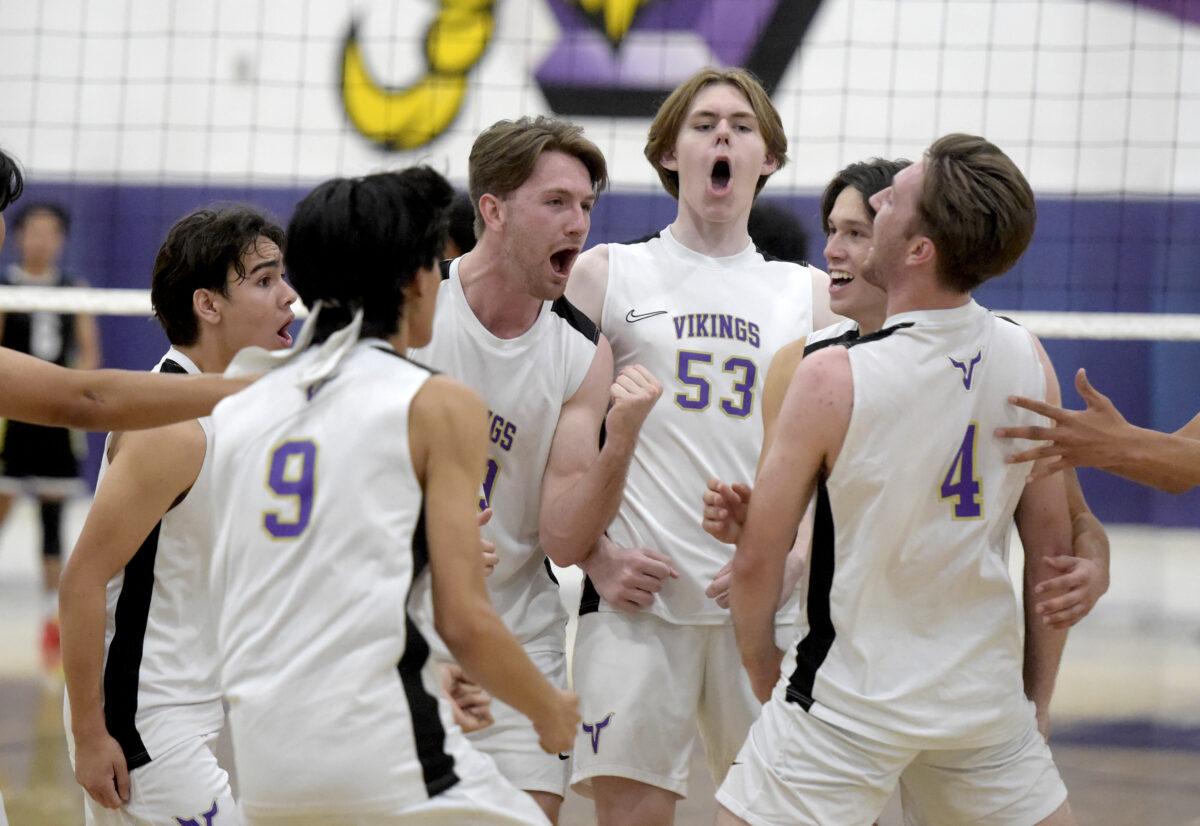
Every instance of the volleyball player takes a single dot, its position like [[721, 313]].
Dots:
[[140, 653], [42, 393], [697, 303], [912, 661], [846, 218], [349, 481], [503, 328]]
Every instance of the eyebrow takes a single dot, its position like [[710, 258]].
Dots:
[[708, 113], [262, 265]]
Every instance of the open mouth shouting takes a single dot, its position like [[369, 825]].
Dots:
[[720, 175], [562, 259]]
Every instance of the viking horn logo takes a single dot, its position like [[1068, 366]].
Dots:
[[412, 116], [594, 730], [967, 368]]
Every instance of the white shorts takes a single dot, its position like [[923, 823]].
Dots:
[[182, 785], [798, 769], [513, 744], [480, 797], [644, 684]]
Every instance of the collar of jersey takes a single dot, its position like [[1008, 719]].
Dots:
[[676, 248]]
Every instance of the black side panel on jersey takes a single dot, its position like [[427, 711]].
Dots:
[[878, 335], [437, 767], [123, 667], [814, 648], [848, 336], [575, 317], [169, 366], [445, 265], [589, 597]]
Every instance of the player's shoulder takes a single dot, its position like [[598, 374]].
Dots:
[[573, 318], [446, 405]]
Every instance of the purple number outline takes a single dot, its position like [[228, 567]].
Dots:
[[304, 488], [745, 388], [967, 490], [683, 364], [489, 484]]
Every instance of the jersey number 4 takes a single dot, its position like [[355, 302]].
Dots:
[[292, 475], [960, 482]]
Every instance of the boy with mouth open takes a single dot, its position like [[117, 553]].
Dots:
[[139, 648], [699, 304], [504, 329]]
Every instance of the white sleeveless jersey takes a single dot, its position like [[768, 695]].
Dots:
[[319, 538], [160, 658], [708, 329], [525, 381], [913, 633]]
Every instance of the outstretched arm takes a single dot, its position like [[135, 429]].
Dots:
[[43, 393], [1098, 436]]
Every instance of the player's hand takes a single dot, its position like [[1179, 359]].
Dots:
[[633, 393], [469, 703], [725, 509], [718, 589], [764, 673], [627, 578], [488, 549], [556, 728], [1065, 599], [1077, 438], [101, 770], [1043, 722]]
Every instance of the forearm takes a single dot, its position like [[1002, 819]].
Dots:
[[82, 617], [1166, 461], [496, 661], [574, 521], [123, 400], [753, 597], [1043, 651]]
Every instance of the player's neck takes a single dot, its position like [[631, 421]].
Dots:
[[211, 354], [907, 295], [495, 295], [716, 239]]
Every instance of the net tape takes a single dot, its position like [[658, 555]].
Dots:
[[1096, 326]]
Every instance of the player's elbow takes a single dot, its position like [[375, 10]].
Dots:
[[563, 546], [465, 630]]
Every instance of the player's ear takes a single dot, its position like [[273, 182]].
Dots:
[[204, 305], [668, 160], [921, 250], [770, 164], [489, 210]]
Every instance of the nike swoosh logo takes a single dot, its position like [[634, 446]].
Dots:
[[564, 757], [631, 316]]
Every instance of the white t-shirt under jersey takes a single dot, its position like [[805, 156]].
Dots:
[[160, 658], [319, 539], [525, 381], [708, 329], [913, 631]]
